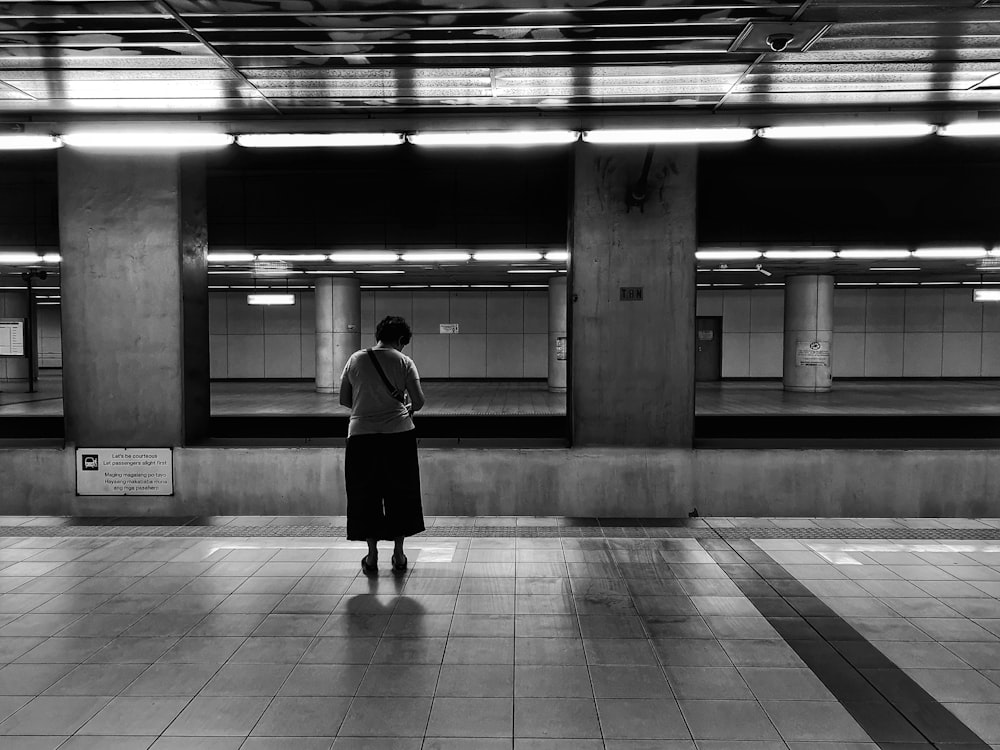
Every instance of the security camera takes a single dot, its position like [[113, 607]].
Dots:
[[778, 42]]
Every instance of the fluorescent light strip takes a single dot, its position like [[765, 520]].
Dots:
[[494, 138], [950, 252], [986, 295], [433, 257], [727, 254], [146, 140], [363, 257], [52, 258], [847, 130], [20, 258], [29, 142], [380, 272], [230, 257], [529, 286], [669, 135], [975, 129], [317, 140], [270, 299], [873, 254], [533, 270], [288, 256], [500, 255], [557, 255], [894, 268], [330, 273], [799, 254]]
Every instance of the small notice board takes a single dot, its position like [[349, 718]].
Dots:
[[124, 471], [449, 327], [11, 337], [812, 353]]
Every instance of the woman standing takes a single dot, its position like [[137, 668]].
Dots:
[[382, 389]]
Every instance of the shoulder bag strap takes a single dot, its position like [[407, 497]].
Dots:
[[396, 393]]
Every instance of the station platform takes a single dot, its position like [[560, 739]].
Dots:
[[514, 632]]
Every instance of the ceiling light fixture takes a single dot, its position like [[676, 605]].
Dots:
[[29, 142], [380, 272], [669, 135], [950, 252], [494, 138], [975, 129], [317, 140], [532, 270], [557, 255], [502, 255], [727, 254], [894, 268], [291, 256], [230, 257], [363, 257], [873, 254], [434, 257], [986, 295], [270, 299], [799, 254], [146, 140], [20, 258], [848, 130]]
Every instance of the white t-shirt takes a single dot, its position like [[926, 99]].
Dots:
[[373, 408]]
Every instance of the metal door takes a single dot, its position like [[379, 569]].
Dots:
[[708, 349]]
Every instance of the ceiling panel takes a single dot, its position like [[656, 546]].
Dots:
[[288, 56]]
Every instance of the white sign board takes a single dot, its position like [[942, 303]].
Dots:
[[812, 353], [449, 327], [124, 471], [11, 338]]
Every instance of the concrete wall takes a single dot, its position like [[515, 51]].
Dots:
[[502, 334], [877, 332], [570, 482]]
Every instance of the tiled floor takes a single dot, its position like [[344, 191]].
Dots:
[[523, 634]]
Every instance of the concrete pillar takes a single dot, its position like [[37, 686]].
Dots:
[[632, 369], [558, 340], [808, 333], [338, 329], [134, 298]]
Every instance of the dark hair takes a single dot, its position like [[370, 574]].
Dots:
[[393, 328]]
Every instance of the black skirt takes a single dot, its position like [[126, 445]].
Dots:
[[383, 486]]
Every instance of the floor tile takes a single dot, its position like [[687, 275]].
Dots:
[[97, 679], [641, 719], [630, 682], [302, 717], [211, 717], [247, 680], [387, 717], [450, 717], [49, 715], [565, 718], [317, 680], [814, 721], [171, 680], [552, 681], [135, 716], [745, 720], [475, 681], [399, 680]]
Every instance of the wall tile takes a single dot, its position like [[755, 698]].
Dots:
[[709, 303], [468, 309], [431, 355], [991, 315], [430, 309], [504, 312], [735, 313], [848, 355], [767, 312], [885, 311], [884, 354], [924, 309], [467, 355], [393, 303], [283, 318], [308, 358], [218, 356], [504, 355], [960, 312], [241, 317], [922, 354], [536, 311], [367, 316], [283, 356], [217, 312], [766, 350], [849, 309], [307, 311], [246, 356], [991, 354], [536, 355], [962, 354], [735, 355]]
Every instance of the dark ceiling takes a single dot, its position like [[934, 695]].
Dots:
[[281, 57]]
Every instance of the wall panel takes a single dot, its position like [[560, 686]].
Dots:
[[960, 312], [924, 309], [962, 354], [505, 355], [766, 355], [848, 354], [922, 354], [849, 309], [735, 355]]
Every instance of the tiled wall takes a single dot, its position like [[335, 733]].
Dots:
[[877, 332], [501, 334]]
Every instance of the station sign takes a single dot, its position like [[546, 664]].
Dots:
[[11, 337], [124, 471]]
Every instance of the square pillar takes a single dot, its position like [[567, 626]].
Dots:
[[133, 240], [632, 361]]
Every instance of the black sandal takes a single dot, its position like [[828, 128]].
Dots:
[[368, 569], [398, 562]]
